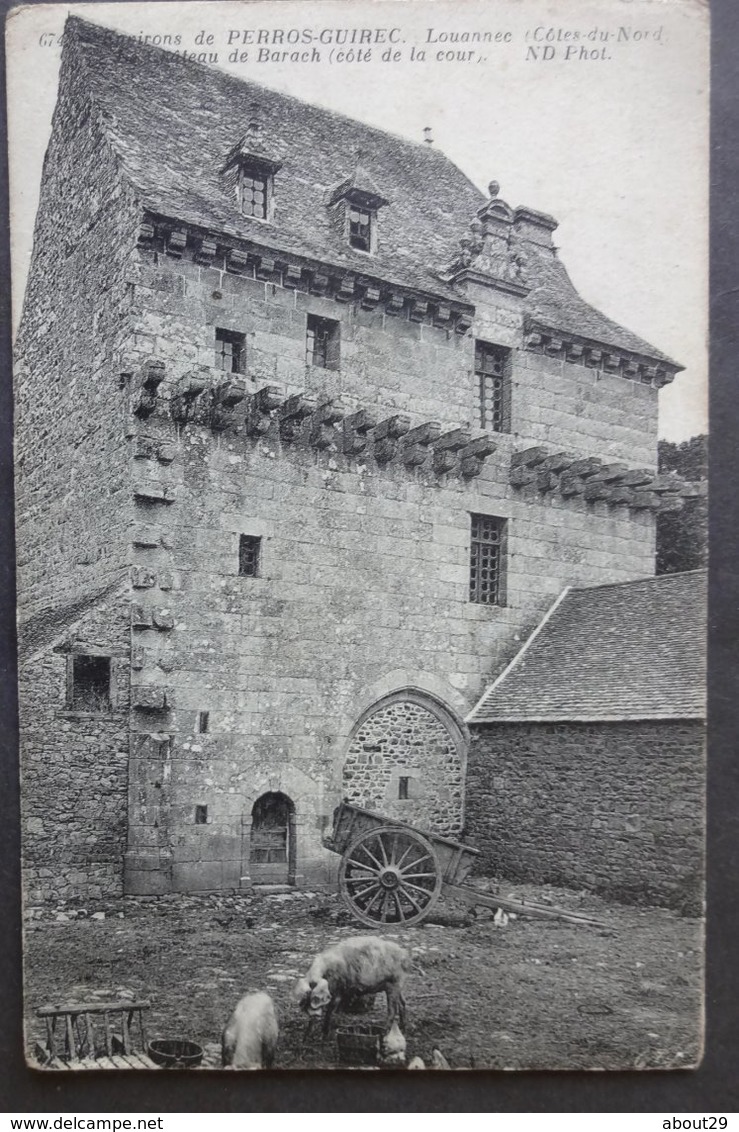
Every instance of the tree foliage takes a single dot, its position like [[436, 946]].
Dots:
[[682, 536]]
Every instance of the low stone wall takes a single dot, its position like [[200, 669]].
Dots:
[[613, 807]]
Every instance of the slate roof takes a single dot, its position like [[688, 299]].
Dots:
[[554, 304], [174, 122], [632, 650]]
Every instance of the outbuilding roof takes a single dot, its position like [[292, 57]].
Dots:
[[632, 650], [174, 122]]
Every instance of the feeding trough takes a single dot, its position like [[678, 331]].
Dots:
[[175, 1053]]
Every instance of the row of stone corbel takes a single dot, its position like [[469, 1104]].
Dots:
[[594, 480], [219, 399], [348, 287], [193, 399], [597, 357], [392, 438]]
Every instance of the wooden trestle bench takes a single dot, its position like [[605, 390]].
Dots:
[[94, 1035]]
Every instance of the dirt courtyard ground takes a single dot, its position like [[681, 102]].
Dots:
[[535, 994]]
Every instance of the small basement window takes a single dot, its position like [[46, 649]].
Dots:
[[203, 722], [249, 548], [230, 351], [201, 815], [90, 683], [322, 342]]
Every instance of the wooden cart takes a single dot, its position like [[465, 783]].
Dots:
[[390, 872], [393, 873]]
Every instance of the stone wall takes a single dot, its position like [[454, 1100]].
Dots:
[[72, 480], [75, 764], [364, 562], [364, 566], [566, 405], [614, 807], [74, 505], [412, 740]]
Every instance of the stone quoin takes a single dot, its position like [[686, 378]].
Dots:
[[310, 434]]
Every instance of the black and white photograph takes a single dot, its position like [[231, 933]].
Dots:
[[360, 442]]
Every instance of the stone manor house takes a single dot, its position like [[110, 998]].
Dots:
[[311, 435]]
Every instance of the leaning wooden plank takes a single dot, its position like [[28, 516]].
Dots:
[[41, 1053], [50, 1028], [88, 1063], [537, 911], [71, 1047]]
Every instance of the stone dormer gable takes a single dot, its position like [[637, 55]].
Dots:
[[358, 189], [250, 169], [492, 250], [354, 203], [511, 249]]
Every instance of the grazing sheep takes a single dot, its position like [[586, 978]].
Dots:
[[363, 965], [250, 1036]]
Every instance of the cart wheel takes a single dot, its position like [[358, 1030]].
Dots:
[[390, 875]]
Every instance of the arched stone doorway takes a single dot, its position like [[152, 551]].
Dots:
[[406, 759], [272, 840]]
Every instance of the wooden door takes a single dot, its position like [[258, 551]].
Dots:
[[271, 849]]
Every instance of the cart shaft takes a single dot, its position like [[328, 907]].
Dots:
[[472, 896]]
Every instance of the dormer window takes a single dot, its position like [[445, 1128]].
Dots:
[[249, 171], [255, 191], [360, 228], [355, 203]]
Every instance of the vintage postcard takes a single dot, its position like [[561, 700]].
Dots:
[[360, 441]]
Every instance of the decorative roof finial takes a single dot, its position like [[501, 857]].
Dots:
[[427, 135], [493, 189]]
